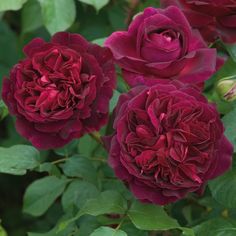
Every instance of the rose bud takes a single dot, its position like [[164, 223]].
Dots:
[[227, 89], [61, 90], [160, 44], [168, 141], [213, 18]]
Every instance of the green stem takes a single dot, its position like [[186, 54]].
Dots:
[[59, 161], [97, 137]]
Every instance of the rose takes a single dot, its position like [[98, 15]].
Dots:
[[61, 90], [213, 18], [168, 141], [160, 44]]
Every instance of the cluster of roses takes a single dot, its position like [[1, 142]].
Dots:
[[168, 139]]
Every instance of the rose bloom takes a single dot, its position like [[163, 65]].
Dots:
[[61, 90], [160, 44], [213, 18], [168, 141]]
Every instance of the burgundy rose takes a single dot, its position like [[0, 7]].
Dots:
[[168, 141], [213, 18], [160, 44], [61, 90]]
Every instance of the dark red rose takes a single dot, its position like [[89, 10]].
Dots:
[[213, 18], [168, 141], [160, 44], [61, 90]]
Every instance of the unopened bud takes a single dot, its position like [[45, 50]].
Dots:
[[227, 90]]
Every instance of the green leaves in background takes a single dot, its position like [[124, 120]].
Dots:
[[9, 53], [107, 231], [230, 126], [2, 231], [77, 193], [216, 227], [231, 48], [150, 217], [41, 194], [97, 4], [29, 21], [3, 110], [100, 41], [18, 159], [106, 202], [6, 5], [80, 167], [58, 15], [69, 149], [223, 189], [114, 100]]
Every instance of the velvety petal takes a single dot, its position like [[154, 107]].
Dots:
[[196, 69], [147, 194], [224, 159], [8, 97], [166, 51], [214, 19], [122, 44], [33, 46], [61, 90], [38, 139], [74, 41], [168, 141], [228, 35], [134, 26]]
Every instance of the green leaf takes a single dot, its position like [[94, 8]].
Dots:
[[230, 126], [69, 231], [58, 15], [97, 4], [80, 167], [18, 159], [231, 48], [69, 149], [151, 217], [130, 229], [215, 227], [11, 4], [223, 189], [29, 21], [41, 194], [3, 110], [9, 54], [87, 145], [100, 41], [107, 202], [77, 193], [2, 231], [50, 168], [117, 16], [107, 231], [114, 100]]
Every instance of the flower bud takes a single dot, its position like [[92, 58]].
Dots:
[[227, 90]]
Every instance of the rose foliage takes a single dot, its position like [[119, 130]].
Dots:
[[122, 119]]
